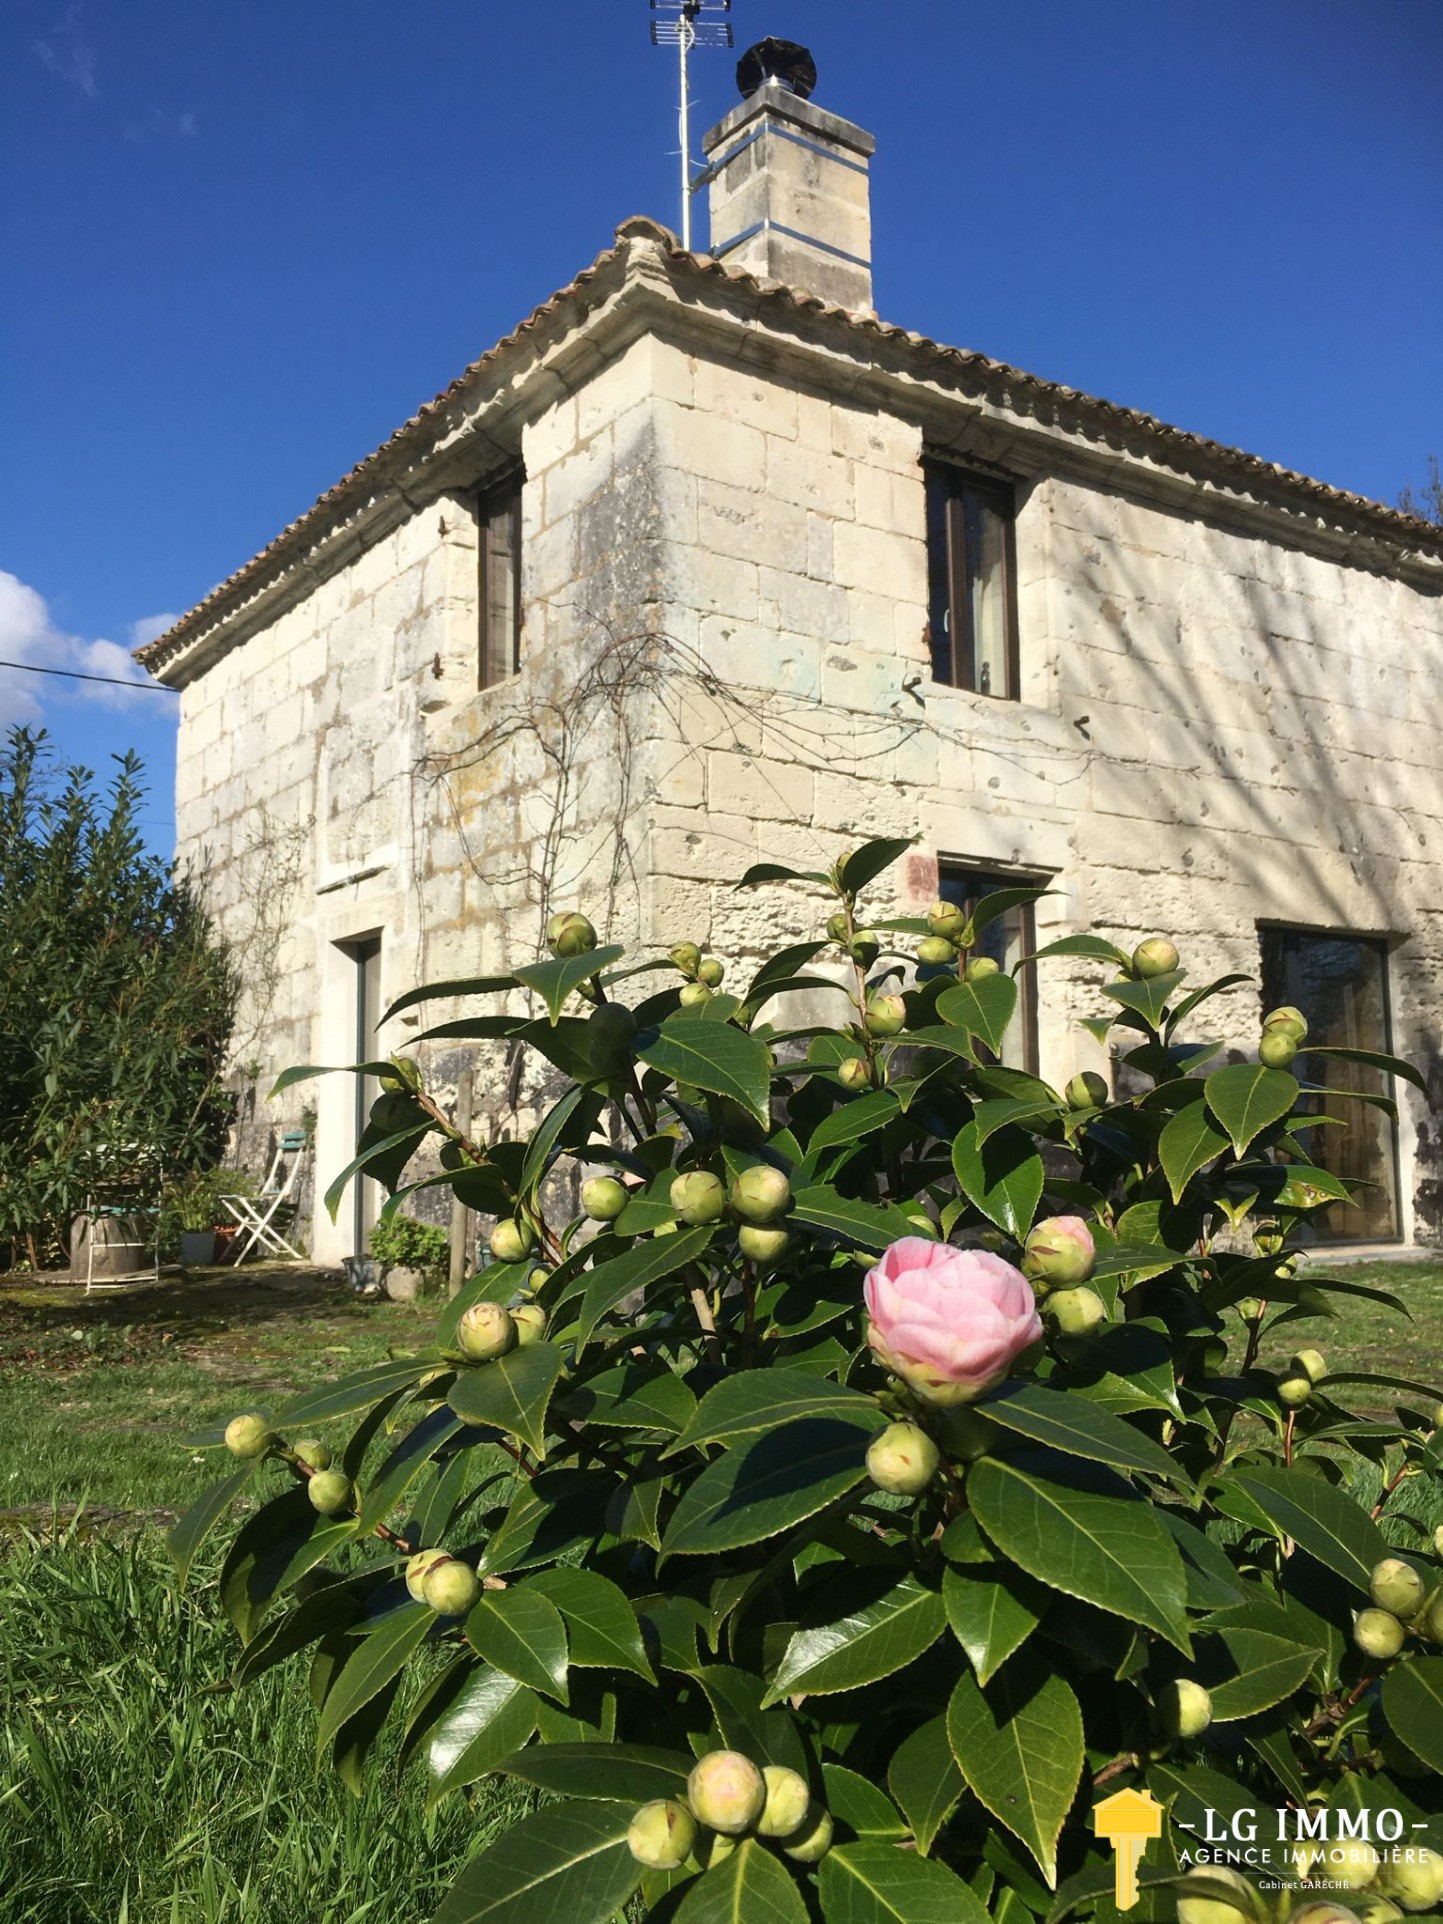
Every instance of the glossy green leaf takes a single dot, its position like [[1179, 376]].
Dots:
[[378, 1657], [520, 1631], [1003, 1177], [1245, 1097], [613, 1281], [992, 1609], [568, 1864], [866, 863], [1261, 1671], [511, 1393], [634, 1397], [1079, 1428], [924, 1778], [601, 1625], [777, 872], [406, 1462], [983, 1009], [272, 1548], [449, 991], [1094, 946], [1188, 1143], [852, 1120], [1148, 999], [628, 1774], [855, 1801], [490, 1716], [202, 1517], [1019, 1745], [1413, 1705], [865, 1883], [355, 1392], [555, 980], [716, 1057], [752, 1402], [1326, 1522], [1385, 1064], [752, 1493], [881, 1634], [863, 1224], [749, 1886], [1103, 1549]]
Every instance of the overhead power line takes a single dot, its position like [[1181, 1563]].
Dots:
[[74, 674]]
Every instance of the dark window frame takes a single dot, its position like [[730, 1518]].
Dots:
[[963, 873], [1001, 496], [501, 495]]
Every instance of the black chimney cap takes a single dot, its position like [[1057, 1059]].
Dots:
[[781, 60]]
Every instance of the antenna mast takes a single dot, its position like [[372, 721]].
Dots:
[[685, 30]]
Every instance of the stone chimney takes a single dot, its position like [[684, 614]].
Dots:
[[789, 183]]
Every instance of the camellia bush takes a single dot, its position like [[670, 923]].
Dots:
[[878, 1469]]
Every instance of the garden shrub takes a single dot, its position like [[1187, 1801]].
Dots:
[[879, 1470], [401, 1242]]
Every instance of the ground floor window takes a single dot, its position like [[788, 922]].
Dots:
[[1340, 982], [1006, 940]]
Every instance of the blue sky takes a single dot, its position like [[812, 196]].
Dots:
[[244, 241]]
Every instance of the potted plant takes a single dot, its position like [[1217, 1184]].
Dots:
[[412, 1256], [194, 1204]]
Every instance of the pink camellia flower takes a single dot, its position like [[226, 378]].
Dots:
[[1060, 1251], [948, 1321]]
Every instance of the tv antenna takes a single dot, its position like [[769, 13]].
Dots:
[[683, 24]]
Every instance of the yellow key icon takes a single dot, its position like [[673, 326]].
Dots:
[[1128, 1820]]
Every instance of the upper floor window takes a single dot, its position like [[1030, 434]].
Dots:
[[498, 527], [1006, 938], [971, 581]]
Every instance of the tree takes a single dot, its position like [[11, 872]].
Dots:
[[1425, 502], [821, 1526], [116, 999]]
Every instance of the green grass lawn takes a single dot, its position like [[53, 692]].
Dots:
[[135, 1787]]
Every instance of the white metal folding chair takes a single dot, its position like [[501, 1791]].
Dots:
[[257, 1214]]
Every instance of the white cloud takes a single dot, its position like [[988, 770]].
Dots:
[[160, 125], [68, 54], [28, 635]]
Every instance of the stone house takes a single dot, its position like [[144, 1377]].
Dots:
[[705, 563]]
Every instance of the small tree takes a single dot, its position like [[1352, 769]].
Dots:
[[798, 1595], [116, 999], [1426, 502]]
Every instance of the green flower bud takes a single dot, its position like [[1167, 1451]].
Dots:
[[687, 957], [1326, 1912], [698, 1196], [1368, 1909], [1059, 1251], [1276, 1049], [1312, 1363], [535, 1278], [711, 972], [1438, 1541], [865, 946], [530, 1321], [1087, 1090], [853, 1073], [611, 1031], [1396, 1586], [512, 1242], [419, 1567], [570, 934], [1216, 1910], [762, 1245], [1353, 1865], [727, 1792], [402, 1075], [662, 1834], [249, 1435], [1075, 1311], [451, 1588], [902, 1459], [1290, 1020], [693, 994], [312, 1451], [330, 1492], [1184, 1708], [603, 1198], [968, 1434], [1155, 956], [788, 1801], [935, 949], [886, 1015], [813, 1840], [1433, 1620], [946, 918], [1250, 1308], [484, 1332], [837, 928], [760, 1194], [1417, 1885], [980, 967], [1294, 1389], [1378, 1633]]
